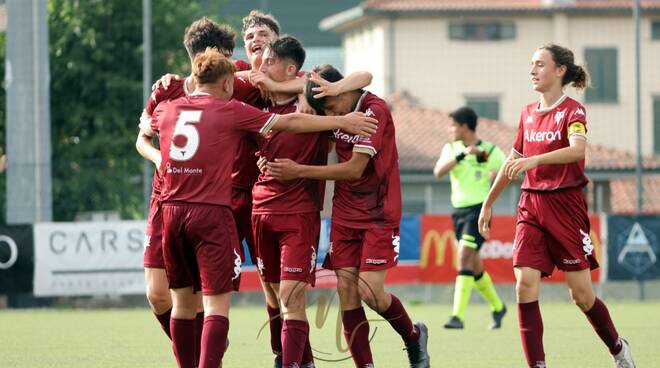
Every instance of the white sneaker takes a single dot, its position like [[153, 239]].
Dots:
[[624, 359]]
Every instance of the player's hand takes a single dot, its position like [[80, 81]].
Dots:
[[359, 124], [471, 150], [484, 222], [261, 162], [165, 81], [513, 168], [283, 169], [303, 105], [324, 88]]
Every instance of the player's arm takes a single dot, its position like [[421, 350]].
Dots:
[[353, 123], [144, 144], [573, 153], [352, 82], [352, 169], [501, 182]]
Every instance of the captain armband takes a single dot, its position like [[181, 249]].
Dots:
[[577, 130]]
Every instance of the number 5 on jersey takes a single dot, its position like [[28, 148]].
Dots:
[[185, 128]]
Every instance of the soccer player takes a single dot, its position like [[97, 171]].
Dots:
[[285, 215], [200, 247], [365, 219], [472, 165], [552, 228], [198, 36]]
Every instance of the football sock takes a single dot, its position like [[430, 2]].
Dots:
[[214, 341], [275, 324], [602, 323], [294, 337], [397, 316], [356, 333], [183, 341], [199, 327], [308, 355], [164, 320], [485, 286], [462, 292], [531, 333]]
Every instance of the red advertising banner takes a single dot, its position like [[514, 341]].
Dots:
[[438, 250]]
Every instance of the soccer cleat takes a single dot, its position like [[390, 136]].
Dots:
[[309, 365], [624, 359], [497, 318], [454, 323], [418, 355], [278, 361]]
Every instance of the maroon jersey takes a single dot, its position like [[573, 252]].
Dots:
[[199, 135], [273, 196], [374, 199], [242, 65], [245, 172], [176, 89], [542, 131]]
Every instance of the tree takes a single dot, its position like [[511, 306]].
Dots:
[[96, 96]]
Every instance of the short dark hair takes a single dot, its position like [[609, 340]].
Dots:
[[204, 33], [288, 47], [465, 116], [256, 18], [327, 72]]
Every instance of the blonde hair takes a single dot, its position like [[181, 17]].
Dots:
[[211, 65]]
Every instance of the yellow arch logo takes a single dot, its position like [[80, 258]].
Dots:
[[440, 241]]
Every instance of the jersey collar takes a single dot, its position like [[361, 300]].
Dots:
[[550, 108], [358, 105]]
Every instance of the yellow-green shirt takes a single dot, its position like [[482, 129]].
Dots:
[[470, 180]]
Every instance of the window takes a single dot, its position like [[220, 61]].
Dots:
[[603, 69], [485, 107], [656, 125], [655, 30], [482, 31]]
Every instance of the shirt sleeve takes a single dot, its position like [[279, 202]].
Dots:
[[518, 142], [252, 120], [245, 92], [577, 123], [445, 155], [371, 145], [242, 65], [154, 122]]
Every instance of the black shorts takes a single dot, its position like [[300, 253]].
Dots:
[[466, 226]]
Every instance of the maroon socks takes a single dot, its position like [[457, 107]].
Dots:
[[600, 319], [295, 335], [164, 320], [214, 341], [531, 333], [183, 341], [356, 332], [397, 316], [275, 324]]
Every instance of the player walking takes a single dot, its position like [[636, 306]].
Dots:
[[552, 228], [472, 165]]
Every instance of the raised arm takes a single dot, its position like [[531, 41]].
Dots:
[[353, 123], [352, 169], [352, 82]]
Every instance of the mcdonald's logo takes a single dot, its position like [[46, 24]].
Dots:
[[440, 241]]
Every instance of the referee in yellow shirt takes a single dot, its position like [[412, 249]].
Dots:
[[472, 164]]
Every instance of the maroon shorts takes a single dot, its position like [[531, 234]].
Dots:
[[241, 207], [373, 249], [200, 248], [552, 230], [153, 240], [286, 246]]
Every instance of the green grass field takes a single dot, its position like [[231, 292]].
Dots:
[[132, 338]]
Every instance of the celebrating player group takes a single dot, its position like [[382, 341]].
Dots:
[[243, 157]]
